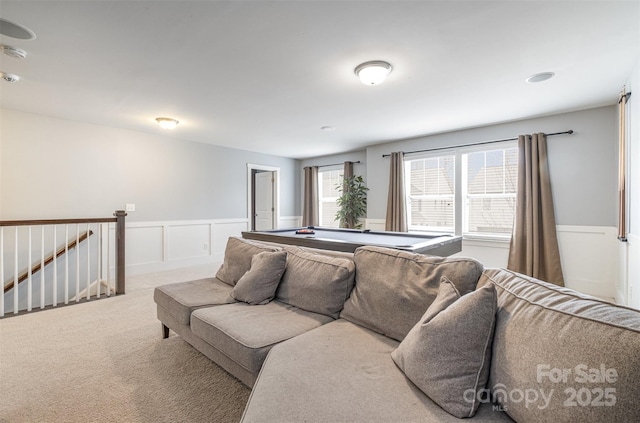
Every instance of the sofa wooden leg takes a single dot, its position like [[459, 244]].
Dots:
[[165, 332]]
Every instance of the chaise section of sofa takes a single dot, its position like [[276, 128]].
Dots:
[[342, 372]]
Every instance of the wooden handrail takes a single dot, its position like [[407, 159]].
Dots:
[[71, 245], [56, 221]]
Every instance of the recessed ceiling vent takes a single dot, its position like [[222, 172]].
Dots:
[[16, 53]]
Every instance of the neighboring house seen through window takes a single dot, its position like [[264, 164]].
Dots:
[[468, 191]]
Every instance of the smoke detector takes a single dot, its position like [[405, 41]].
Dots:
[[16, 53], [9, 77]]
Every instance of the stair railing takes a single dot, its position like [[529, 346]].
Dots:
[[93, 272]]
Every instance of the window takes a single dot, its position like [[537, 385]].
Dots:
[[467, 191], [490, 191], [328, 180], [430, 193]]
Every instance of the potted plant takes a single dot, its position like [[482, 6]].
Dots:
[[352, 202]]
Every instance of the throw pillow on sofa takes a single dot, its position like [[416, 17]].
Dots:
[[393, 288], [237, 259], [259, 284], [316, 282], [448, 352]]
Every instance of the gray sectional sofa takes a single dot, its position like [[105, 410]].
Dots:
[[389, 336]]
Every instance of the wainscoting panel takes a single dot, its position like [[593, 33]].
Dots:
[[286, 222], [222, 230], [157, 246], [144, 244], [188, 241], [589, 257]]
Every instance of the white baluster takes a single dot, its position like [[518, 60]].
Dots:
[[42, 281], [29, 281], [2, 269], [66, 264], [77, 262], [98, 267], [55, 265], [88, 265], [15, 275], [108, 259]]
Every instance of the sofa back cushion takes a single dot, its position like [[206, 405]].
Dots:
[[562, 356], [316, 282], [237, 258], [394, 288]]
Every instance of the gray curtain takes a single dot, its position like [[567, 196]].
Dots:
[[622, 166], [310, 201], [534, 243], [396, 206], [348, 170]]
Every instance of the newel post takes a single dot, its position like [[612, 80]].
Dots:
[[120, 262]]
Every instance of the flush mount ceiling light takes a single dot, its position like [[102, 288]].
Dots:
[[9, 77], [16, 53], [167, 123], [14, 30], [539, 77], [373, 72]]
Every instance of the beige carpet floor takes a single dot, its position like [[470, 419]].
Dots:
[[106, 361]]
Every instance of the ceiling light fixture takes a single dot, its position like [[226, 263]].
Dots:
[[167, 123], [14, 30], [15, 52], [539, 77], [373, 72], [9, 77]]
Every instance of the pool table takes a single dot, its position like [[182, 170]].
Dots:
[[350, 239]]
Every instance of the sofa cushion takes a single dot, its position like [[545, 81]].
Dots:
[[581, 353], [394, 288], [245, 333], [342, 372], [259, 284], [316, 282], [237, 258], [182, 298], [447, 353]]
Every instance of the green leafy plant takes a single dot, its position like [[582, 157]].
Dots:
[[352, 202]]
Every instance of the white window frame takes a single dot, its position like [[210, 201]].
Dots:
[[460, 200], [409, 197], [322, 199]]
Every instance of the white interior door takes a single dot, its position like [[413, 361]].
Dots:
[[264, 203]]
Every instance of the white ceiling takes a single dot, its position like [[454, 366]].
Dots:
[[266, 75]]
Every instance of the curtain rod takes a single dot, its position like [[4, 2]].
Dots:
[[626, 97], [570, 131], [337, 164]]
